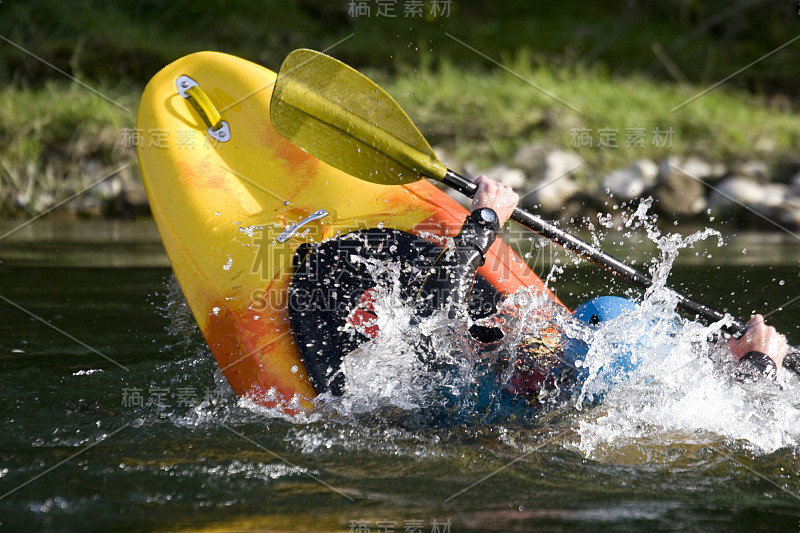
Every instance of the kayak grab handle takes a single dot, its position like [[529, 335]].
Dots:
[[316, 215], [190, 90]]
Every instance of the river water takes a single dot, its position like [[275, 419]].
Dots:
[[115, 417]]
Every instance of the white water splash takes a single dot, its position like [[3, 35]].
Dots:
[[681, 390], [385, 370], [683, 387]]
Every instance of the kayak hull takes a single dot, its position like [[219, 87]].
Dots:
[[224, 210]]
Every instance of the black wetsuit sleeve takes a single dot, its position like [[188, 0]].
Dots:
[[756, 365], [450, 278]]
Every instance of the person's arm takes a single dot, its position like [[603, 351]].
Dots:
[[760, 351], [450, 278]]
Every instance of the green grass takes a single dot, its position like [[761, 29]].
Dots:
[[485, 117], [58, 139], [703, 40], [55, 138], [61, 137]]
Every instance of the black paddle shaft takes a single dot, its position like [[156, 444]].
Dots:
[[598, 257]]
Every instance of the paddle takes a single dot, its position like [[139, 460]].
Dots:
[[344, 119]]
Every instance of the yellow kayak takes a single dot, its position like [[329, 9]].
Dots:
[[240, 211]]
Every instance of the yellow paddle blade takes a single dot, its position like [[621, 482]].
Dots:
[[341, 117]]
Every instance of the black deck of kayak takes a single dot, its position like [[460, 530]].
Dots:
[[328, 284]]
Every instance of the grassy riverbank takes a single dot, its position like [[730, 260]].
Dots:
[[57, 140], [605, 73], [60, 138], [485, 117]]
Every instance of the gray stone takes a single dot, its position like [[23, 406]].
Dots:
[[45, 201], [757, 170], [794, 184], [559, 163], [678, 193], [624, 183], [734, 194], [512, 177], [692, 167], [21, 200], [555, 184], [790, 218], [530, 156], [630, 182], [551, 196], [134, 195], [718, 171], [697, 168], [34, 203], [109, 188], [788, 214], [647, 170], [775, 194], [666, 167]]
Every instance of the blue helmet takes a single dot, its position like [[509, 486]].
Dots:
[[621, 357], [603, 308]]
